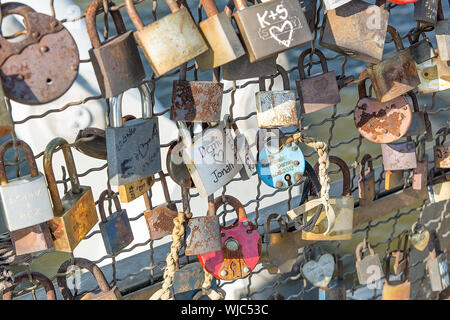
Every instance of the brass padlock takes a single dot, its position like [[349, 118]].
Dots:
[[276, 108], [399, 155], [441, 152], [168, 42], [396, 74], [393, 178], [368, 269], [118, 55], [74, 214], [6, 125], [401, 256], [425, 11], [400, 289], [33, 276], [366, 182], [420, 173], [352, 30]]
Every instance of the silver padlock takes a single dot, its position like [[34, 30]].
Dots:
[[369, 268], [399, 155], [437, 265]]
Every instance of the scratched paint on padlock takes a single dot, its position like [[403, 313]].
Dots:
[[276, 109]]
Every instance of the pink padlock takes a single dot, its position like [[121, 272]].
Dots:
[[241, 246]]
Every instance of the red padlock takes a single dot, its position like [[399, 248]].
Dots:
[[402, 1], [241, 246]]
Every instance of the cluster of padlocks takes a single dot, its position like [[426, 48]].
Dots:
[[39, 219]]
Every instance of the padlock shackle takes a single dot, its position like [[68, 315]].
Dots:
[[28, 152], [91, 13], [82, 263], [21, 10], [134, 15], [281, 222], [173, 5], [359, 249], [101, 203], [413, 97], [405, 275], [345, 173], [362, 166], [210, 7], [233, 202], [185, 134], [240, 4], [362, 92], [284, 76], [50, 175], [439, 134], [396, 38], [146, 106], [35, 276], [163, 181], [301, 61]]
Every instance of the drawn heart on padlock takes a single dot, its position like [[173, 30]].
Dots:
[[280, 30], [420, 237], [319, 273]]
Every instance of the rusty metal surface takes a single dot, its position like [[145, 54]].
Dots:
[[188, 278], [96, 146], [35, 276], [6, 125], [32, 239], [399, 156], [160, 220], [203, 235]]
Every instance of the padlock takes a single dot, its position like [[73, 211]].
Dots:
[[420, 123], [442, 31], [420, 173], [441, 152], [210, 157], [279, 252], [333, 4], [91, 142], [31, 239], [24, 200], [351, 30], [133, 146], [276, 108], [271, 27], [366, 182], [336, 288], [396, 74], [368, 268], [437, 265], [223, 41], [319, 91], [33, 276], [168, 42], [203, 233], [241, 246], [106, 292], [381, 122], [399, 289], [425, 11], [421, 50], [41, 67], [6, 125], [419, 236], [160, 219], [196, 101], [241, 68], [320, 272], [176, 168], [115, 229], [401, 256], [116, 62], [393, 178], [399, 155], [188, 281], [74, 214], [439, 190]]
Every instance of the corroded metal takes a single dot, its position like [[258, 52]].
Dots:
[[133, 190], [32, 239], [366, 182], [188, 278], [392, 178], [399, 155], [6, 125], [30, 275], [96, 146], [41, 67]]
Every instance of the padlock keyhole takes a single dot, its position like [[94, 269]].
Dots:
[[49, 81]]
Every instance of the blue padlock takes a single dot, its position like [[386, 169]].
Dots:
[[280, 167], [115, 229]]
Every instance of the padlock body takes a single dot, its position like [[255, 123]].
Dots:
[[282, 252], [434, 76], [116, 232], [203, 235], [223, 41], [241, 68], [176, 167], [160, 220], [369, 269], [171, 41], [196, 101], [113, 294], [32, 239], [133, 151], [396, 290], [333, 4], [117, 65], [399, 156], [426, 11], [348, 30], [318, 92], [392, 179], [25, 202], [276, 109], [443, 39], [264, 36], [439, 192], [366, 189], [438, 273], [420, 175], [422, 51], [188, 280], [133, 190], [77, 219], [417, 126], [442, 156]]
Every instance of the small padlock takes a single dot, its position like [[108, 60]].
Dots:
[[420, 123], [276, 108], [74, 214], [381, 122], [241, 245], [116, 62], [366, 182], [106, 292], [399, 155], [419, 236], [420, 173], [115, 229], [160, 219], [287, 27], [91, 142], [133, 146], [336, 288], [350, 30], [425, 11], [396, 74], [333, 4], [6, 125], [31, 239], [439, 190], [196, 101], [31, 276], [319, 91], [168, 42], [399, 289], [392, 178], [41, 67], [188, 281], [401, 256], [442, 31], [441, 152], [176, 168], [368, 268], [437, 265], [320, 272]]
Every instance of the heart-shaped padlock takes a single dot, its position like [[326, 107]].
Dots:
[[419, 236], [319, 272], [241, 246]]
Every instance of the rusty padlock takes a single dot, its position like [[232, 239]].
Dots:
[[366, 182], [368, 268], [176, 168], [287, 27], [91, 142], [41, 67], [168, 42], [420, 173], [425, 11], [116, 62], [6, 125], [188, 281], [399, 155], [399, 289], [381, 122], [160, 219], [352, 30], [401, 256], [276, 108], [196, 101], [33, 276], [396, 74], [106, 292], [74, 214], [441, 152], [319, 91], [240, 245]]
